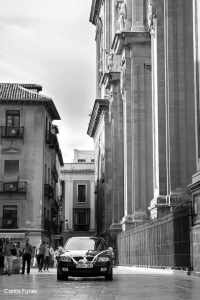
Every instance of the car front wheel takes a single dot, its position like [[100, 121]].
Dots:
[[60, 276], [109, 276]]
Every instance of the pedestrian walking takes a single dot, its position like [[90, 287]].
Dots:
[[27, 252], [39, 253], [47, 257], [9, 250], [1, 257]]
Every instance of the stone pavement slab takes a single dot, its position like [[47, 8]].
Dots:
[[128, 283]]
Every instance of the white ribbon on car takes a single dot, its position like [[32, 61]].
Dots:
[[98, 255], [73, 259]]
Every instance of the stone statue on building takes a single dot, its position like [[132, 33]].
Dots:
[[121, 7]]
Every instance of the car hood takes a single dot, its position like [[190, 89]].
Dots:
[[84, 253]]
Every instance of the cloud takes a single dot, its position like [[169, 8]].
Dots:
[[52, 43]]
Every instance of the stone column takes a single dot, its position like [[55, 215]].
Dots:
[[108, 172], [92, 206], [69, 204], [173, 122], [195, 185]]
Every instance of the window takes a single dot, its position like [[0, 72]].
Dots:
[[11, 174], [45, 173], [13, 118], [92, 160], [81, 219], [48, 175], [9, 216], [81, 160], [81, 193]]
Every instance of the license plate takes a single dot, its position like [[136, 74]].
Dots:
[[65, 269], [84, 266]]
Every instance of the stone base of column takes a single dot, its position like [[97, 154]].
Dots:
[[158, 206], [129, 220], [115, 228], [162, 204]]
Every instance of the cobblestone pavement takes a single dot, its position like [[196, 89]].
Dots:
[[128, 283]]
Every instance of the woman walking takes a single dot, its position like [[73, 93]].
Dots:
[[8, 257]]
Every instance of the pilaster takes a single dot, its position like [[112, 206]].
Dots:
[[173, 112]]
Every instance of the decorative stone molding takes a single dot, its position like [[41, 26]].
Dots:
[[128, 38], [123, 75], [110, 112], [100, 106], [151, 18], [115, 228]]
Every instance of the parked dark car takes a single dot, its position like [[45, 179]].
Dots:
[[85, 257]]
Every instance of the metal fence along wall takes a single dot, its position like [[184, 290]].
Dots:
[[164, 242]]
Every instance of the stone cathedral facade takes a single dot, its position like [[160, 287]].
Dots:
[[145, 117]]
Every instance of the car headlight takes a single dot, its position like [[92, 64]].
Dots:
[[103, 259], [65, 258]]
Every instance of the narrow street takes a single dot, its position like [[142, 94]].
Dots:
[[128, 284]]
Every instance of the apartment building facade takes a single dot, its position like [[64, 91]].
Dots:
[[30, 158], [78, 209]]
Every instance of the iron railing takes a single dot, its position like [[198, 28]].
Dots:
[[48, 191], [12, 131], [161, 243], [52, 141], [9, 223], [13, 187]]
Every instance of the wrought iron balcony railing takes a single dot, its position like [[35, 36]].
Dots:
[[52, 141], [13, 187], [12, 131], [48, 191], [51, 226], [81, 227], [55, 173], [8, 223], [81, 219]]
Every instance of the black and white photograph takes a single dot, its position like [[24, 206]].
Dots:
[[100, 149]]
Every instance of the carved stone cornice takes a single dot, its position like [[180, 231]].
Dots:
[[109, 78], [100, 106], [95, 9], [194, 187], [128, 38]]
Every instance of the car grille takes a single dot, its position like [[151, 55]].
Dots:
[[89, 258]]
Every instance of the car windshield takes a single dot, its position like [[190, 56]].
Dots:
[[85, 244]]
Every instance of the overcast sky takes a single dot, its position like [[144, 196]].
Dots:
[[52, 43]]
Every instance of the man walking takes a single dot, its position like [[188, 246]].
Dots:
[[39, 253], [27, 251]]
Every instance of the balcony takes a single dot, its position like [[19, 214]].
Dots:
[[81, 227], [81, 219], [13, 187], [12, 131], [52, 141], [9, 223], [51, 226], [55, 173], [48, 191]]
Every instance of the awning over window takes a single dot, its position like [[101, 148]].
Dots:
[[12, 235]]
